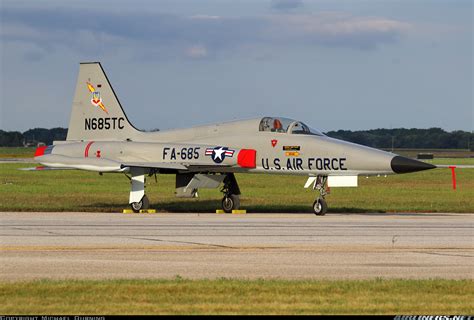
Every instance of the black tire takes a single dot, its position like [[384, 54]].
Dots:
[[146, 203], [231, 202], [142, 205], [136, 206], [320, 207]]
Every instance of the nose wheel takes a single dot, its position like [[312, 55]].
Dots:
[[320, 207]]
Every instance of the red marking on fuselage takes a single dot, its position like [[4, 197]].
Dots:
[[86, 151], [274, 142], [247, 158], [40, 151]]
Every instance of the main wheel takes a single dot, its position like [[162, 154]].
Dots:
[[142, 205], [320, 207], [230, 202]]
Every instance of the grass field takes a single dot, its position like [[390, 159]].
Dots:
[[223, 296], [70, 190], [17, 152]]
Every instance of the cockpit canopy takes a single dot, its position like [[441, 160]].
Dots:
[[285, 125]]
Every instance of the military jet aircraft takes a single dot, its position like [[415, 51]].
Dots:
[[102, 139]]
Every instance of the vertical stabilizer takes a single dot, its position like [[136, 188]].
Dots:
[[96, 112]]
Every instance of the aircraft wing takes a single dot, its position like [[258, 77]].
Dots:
[[92, 164], [60, 162], [193, 167], [155, 165]]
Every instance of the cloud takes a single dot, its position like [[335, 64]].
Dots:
[[339, 29], [286, 5], [197, 51], [205, 17], [169, 35]]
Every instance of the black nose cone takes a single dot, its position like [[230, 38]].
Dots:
[[404, 165]]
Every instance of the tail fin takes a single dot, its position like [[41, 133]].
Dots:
[[96, 112]]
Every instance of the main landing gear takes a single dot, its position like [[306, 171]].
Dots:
[[143, 204], [231, 200], [138, 199], [320, 206]]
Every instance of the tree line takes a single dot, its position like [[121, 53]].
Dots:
[[31, 137], [433, 138]]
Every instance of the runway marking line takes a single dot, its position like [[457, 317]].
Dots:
[[353, 249]]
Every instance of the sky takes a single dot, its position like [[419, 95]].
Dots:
[[334, 64]]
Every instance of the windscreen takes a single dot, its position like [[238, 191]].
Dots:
[[285, 125]]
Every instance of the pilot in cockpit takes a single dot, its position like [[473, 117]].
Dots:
[[277, 126]]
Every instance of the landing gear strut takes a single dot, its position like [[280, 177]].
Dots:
[[138, 200], [320, 206], [231, 200]]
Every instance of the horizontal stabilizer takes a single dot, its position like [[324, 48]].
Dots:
[[42, 168], [92, 164]]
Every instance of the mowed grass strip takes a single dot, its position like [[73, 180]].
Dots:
[[74, 190], [224, 296], [17, 152]]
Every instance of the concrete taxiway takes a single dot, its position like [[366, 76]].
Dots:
[[291, 246]]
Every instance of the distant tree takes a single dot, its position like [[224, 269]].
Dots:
[[432, 138], [11, 139], [45, 135]]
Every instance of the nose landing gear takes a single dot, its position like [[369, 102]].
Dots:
[[320, 206]]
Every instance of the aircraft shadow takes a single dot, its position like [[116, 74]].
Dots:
[[206, 206]]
